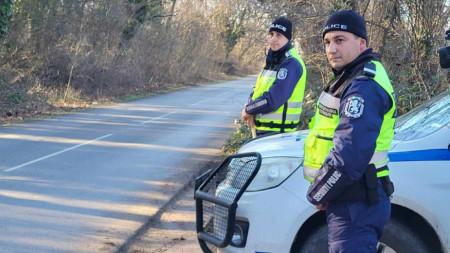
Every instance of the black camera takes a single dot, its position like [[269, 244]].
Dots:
[[444, 53]]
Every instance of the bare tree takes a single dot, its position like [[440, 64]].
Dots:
[[88, 49]]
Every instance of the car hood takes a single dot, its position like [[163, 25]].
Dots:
[[394, 143], [285, 144]]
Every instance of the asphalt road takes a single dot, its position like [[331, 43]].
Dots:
[[86, 182]]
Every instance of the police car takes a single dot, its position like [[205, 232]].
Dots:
[[255, 201]]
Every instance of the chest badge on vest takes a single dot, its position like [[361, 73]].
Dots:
[[282, 74], [354, 107]]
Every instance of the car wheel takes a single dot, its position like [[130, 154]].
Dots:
[[397, 238], [317, 242]]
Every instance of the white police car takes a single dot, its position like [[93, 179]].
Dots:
[[256, 200]]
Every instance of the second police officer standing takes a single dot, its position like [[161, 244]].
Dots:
[[276, 102], [347, 146]]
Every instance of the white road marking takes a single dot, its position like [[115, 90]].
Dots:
[[57, 153], [148, 121], [200, 102], [210, 98], [196, 103]]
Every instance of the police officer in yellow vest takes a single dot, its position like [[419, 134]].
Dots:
[[346, 151], [276, 102]]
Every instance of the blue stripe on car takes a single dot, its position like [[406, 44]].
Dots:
[[421, 155]]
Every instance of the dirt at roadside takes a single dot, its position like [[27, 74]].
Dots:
[[174, 232]]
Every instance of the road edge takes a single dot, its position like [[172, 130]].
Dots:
[[130, 241]]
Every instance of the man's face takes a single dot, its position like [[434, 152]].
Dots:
[[342, 48], [277, 40]]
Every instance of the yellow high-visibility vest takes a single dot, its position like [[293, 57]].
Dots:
[[319, 141], [287, 117]]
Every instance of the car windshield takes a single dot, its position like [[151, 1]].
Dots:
[[424, 119]]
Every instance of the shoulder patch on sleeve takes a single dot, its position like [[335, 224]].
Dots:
[[282, 74], [354, 107]]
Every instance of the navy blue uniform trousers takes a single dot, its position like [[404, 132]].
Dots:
[[356, 227]]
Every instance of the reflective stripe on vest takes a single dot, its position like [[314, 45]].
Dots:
[[269, 73], [278, 117], [289, 111], [329, 101], [319, 141], [379, 159]]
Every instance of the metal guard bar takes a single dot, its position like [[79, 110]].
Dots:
[[200, 196]]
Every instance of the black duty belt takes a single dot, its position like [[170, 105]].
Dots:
[[366, 189]]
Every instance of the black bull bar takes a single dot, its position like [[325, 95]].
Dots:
[[216, 195]]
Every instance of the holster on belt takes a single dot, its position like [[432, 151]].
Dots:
[[352, 193], [388, 186], [371, 185], [365, 189]]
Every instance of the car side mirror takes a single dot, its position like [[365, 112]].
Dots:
[[444, 53], [444, 57]]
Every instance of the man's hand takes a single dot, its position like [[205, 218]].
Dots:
[[321, 207], [249, 118]]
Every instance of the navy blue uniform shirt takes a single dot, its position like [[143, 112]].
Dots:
[[355, 138]]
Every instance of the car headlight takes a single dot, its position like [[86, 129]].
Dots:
[[273, 171]]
